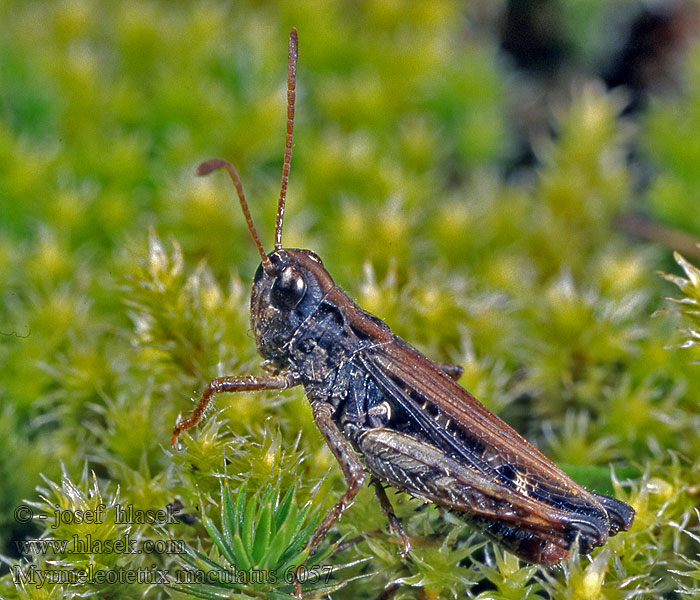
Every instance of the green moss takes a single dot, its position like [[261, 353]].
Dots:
[[124, 282]]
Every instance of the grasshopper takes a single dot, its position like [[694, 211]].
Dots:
[[386, 410]]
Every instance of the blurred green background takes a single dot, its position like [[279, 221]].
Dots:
[[465, 175]]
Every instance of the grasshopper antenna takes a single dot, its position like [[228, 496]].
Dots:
[[291, 97], [218, 163]]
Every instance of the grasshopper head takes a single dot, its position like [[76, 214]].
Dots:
[[284, 296]]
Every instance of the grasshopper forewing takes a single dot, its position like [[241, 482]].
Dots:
[[385, 409], [453, 451]]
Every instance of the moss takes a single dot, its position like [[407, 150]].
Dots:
[[124, 282]]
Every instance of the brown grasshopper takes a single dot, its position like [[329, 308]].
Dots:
[[385, 409]]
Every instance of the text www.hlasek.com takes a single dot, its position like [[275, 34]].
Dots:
[[89, 545]]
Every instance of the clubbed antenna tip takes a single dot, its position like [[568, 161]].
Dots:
[[210, 165]]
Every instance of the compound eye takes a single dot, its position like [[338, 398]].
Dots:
[[288, 289]]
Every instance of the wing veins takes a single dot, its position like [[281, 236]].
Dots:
[[402, 362], [419, 418]]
